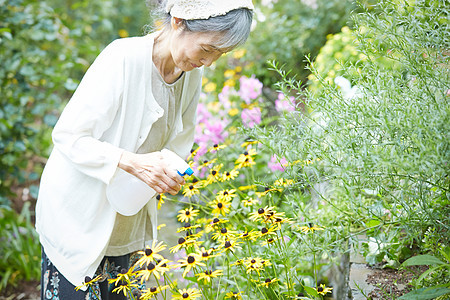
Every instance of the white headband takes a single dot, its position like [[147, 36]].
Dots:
[[204, 9]]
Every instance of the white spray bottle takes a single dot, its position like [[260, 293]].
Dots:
[[128, 194]]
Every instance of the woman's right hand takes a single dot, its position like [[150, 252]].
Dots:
[[153, 170]]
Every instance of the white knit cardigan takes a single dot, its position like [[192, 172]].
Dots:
[[112, 110]]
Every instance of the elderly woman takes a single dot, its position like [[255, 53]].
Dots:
[[138, 97]]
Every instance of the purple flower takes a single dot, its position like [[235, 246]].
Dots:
[[276, 164], [284, 103], [250, 88], [251, 116]]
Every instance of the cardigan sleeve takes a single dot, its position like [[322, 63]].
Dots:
[[182, 143], [89, 113]]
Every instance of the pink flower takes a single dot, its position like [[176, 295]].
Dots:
[[250, 88], [251, 117], [284, 103], [276, 164], [203, 114]]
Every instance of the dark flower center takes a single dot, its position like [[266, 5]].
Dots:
[[209, 272], [187, 213], [228, 173], [153, 289], [205, 254], [223, 230], [123, 271], [264, 230], [205, 161], [192, 150], [215, 145], [267, 280], [190, 259], [187, 225], [253, 261], [194, 180], [219, 205], [227, 244], [246, 153], [181, 240], [148, 251], [191, 187], [225, 193], [270, 240], [158, 197], [214, 172], [87, 279], [216, 220], [185, 295], [150, 266], [261, 211], [320, 289], [266, 189], [310, 225], [245, 234]]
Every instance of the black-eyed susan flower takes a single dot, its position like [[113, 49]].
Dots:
[[238, 262], [224, 234], [150, 293], [187, 214], [151, 253], [206, 163], [226, 195], [283, 182], [246, 159], [269, 281], [206, 254], [259, 215], [249, 201], [216, 147], [214, 174], [160, 198], [248, 235], [188, 227], [323, 290], [269, 241], [124, 282], [229, 175], [264, 232], [191, 261], [208, 275], [153, 268], [214, 223], [253, 264], [187, 294], [88, 281], [189, 190], [193, 153], [309, 228], [230, 245], [187, 242], [247, 143], [220, 207], [233, 295], [267, 190]]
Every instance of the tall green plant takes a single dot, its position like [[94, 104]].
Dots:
[[383, 150]]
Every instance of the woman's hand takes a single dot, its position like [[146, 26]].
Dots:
[[153, 170]]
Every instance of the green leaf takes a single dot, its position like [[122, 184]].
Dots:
[[426, 293], [311, 291], [421, 260]]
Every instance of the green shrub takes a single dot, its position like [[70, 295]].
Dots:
[[383, 152], [19, 247]]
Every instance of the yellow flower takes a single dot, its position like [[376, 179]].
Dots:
[[267, 190], [185, 215], [247, 143], [206, 163], [230, 245], [214, 174], [283, 182], [187, 294], [267, 231], [229, 73], [238, 69], [187, 227], [220, 206], [309, 228], [160, 198], [268, 282], [191, 261], [229, 175], [323, 290], [190, 241], [161, 226], [88, 281], [249, 201], [259, 215], [208, 275], [248, 235], [246, 159], [255, 264], [247, 187], [210, 87], [123, 282], [226, 195], [233, 111], [123, 33], [151, 253], [233, 295], [206, 254], [229, 82], [189, 190], [239, 53], [224, 234], [213, 223], [216, 147], [150, 293], [153, 269], [193, 153]]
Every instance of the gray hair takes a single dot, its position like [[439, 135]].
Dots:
[[235, 25]]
